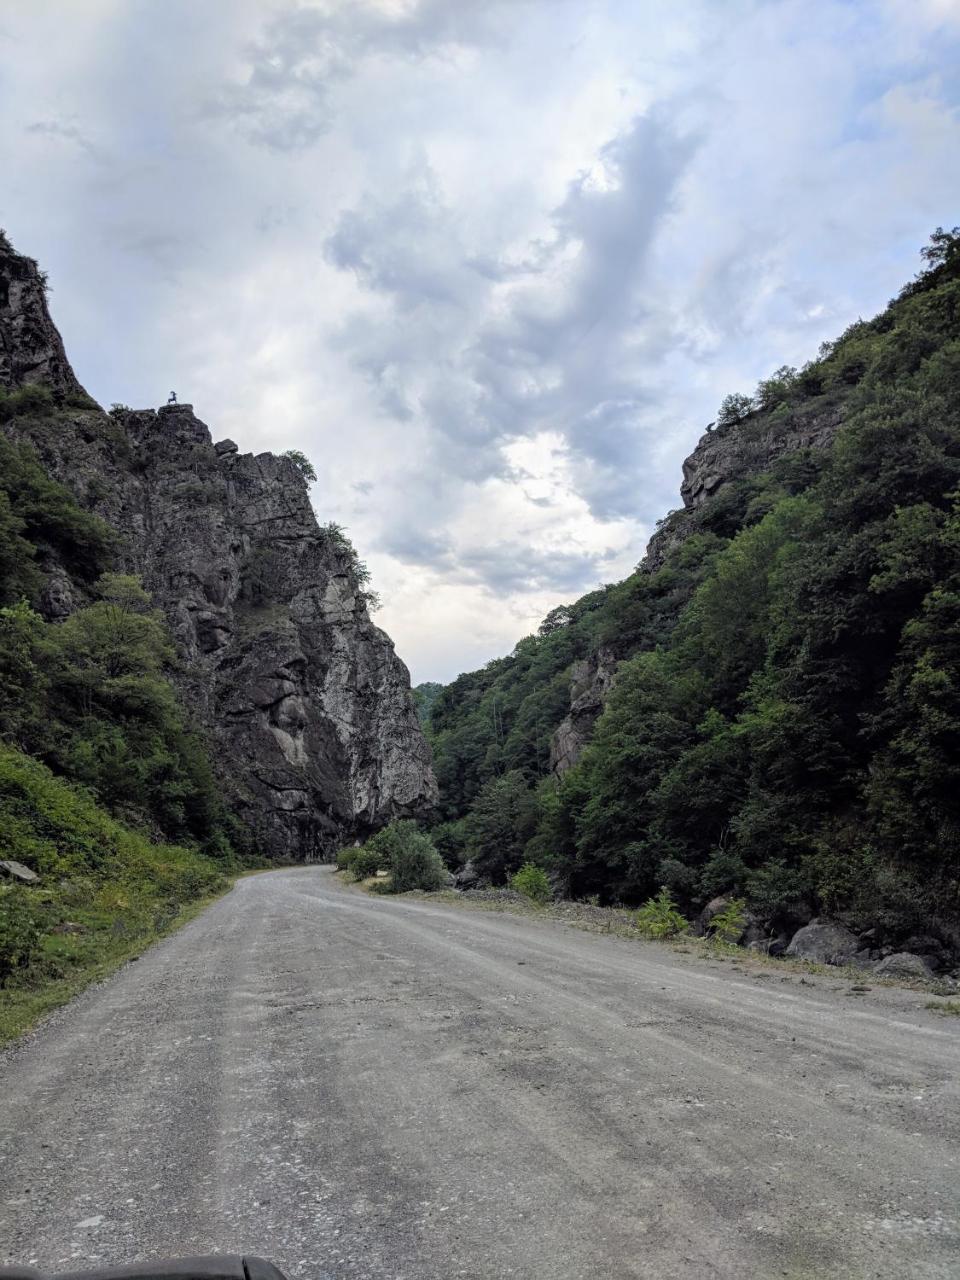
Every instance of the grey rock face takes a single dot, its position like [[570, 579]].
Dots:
[[307, 706], [31, 349], [902, 964], [467, 877], [750, 447], [751, 935], [589, 683], [824, 942]]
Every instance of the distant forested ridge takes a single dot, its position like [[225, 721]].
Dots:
[[424, 696], [770, 704]]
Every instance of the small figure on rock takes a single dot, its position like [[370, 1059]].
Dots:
[[172, 398]]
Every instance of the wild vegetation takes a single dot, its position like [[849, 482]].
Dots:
[[407, 854], [106, 789], [784, 725], [105, 889]]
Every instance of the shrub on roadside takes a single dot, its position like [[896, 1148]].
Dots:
[[659, 917], [21, 929], [532, 882], [106, 889], [410, 856], [728, 925], [366, 862], [345, 857]]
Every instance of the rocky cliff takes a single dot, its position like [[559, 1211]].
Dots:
[[750, 446], [724, 455], [31, 350], [308, 707]]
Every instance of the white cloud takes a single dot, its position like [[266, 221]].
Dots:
[[491, 265]]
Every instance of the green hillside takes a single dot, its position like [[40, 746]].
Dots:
[[785, 721]]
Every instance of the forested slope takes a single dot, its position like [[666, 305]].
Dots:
[[778, 685]]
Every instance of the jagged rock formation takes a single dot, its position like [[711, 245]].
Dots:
[[721, 456], [31, 349], [751, 446], [590, 679], [309, 709]]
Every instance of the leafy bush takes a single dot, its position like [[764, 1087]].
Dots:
[[660, 918], [501, 821], [26, 400], [346, 857], [452, 841], [21, 926], [778, 387], [358, 569], [532, 882], [37, 516], [91, 697], [728, 925], [733, 409], [109, 883], [411, 857], [366, 862]]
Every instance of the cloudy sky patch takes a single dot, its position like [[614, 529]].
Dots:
[[492, 264]]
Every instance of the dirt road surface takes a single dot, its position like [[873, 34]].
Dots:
[[357, 1086]]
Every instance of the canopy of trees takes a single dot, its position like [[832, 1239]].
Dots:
[[785, 720]]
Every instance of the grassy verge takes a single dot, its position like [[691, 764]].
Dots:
[[23, 1005], [946, 1008], [103, 892]]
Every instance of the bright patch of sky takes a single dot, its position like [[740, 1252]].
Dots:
[[491, 264]]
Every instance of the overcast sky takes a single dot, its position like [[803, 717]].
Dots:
[[491, 264]]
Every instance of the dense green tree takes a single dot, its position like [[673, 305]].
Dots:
[[501, 821]]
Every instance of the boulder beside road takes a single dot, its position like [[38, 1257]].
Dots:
[[824, 942], [17, 871]]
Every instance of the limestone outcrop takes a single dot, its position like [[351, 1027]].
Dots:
[[305, 702]]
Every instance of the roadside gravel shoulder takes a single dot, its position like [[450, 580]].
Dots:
[[933, 1001]]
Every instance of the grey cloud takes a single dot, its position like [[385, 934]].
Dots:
[[616, 320], [418, 546], [407, 248], [568, 348], [506, 567], [498, 566], [67, 131], [165, 250], [284, 102]]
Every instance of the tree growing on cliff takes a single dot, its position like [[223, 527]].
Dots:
[[733, 409], [302, 463], [337, 535]]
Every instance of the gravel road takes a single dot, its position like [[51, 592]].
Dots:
[[356, 1086]]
